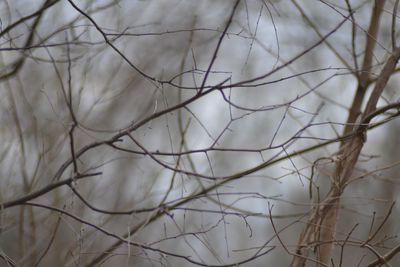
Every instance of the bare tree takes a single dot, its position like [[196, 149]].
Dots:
[[199, 133]]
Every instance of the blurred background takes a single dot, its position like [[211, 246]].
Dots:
[[190, 114]]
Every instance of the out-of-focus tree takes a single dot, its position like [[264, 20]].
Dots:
[[199, 133]]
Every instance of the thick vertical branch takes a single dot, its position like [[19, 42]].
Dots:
[[321, 226], [364, 77], [348, 160]]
